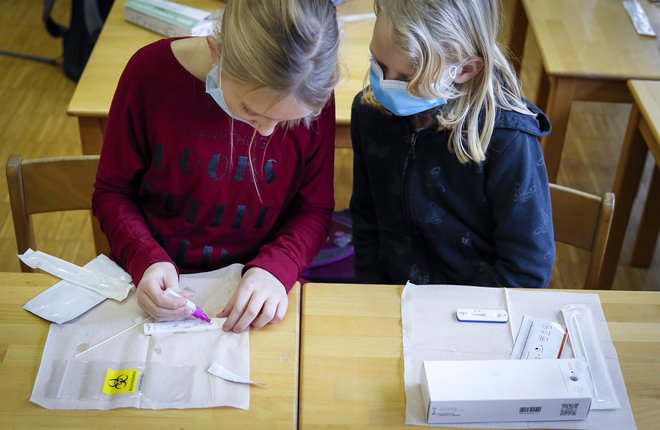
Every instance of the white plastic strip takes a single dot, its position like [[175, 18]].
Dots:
[[182, 326], [106, 286], [218, 370], [584, 340]]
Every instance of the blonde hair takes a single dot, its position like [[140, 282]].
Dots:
[[436, 34], [288, 46]]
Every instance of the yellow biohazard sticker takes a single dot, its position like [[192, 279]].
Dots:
[[120, 381]]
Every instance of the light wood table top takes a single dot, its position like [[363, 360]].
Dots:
[[119, 40], [352, 359], [353, 55], [593, 38], [274, 355], [589, 49], [642, 137]]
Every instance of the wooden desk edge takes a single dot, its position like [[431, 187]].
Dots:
[[635, 86]]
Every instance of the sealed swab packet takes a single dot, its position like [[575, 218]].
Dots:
[[107, 286], [65, 301], [586, 345]]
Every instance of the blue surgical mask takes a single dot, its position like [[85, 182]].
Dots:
[[394, 96], [213, 89]]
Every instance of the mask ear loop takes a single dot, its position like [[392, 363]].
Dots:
[[220, 72], [447, 82], [452, 72]]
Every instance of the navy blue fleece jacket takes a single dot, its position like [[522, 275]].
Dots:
[[421, 215]]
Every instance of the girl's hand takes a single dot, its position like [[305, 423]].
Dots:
[[260, 299], [158, 277]]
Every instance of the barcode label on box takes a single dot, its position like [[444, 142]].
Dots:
[[530, 410]]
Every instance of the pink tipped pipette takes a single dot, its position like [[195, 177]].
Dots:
[[195, 310]]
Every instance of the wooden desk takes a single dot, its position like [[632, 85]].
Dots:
[[274, 355], [642, 135], [352, 359], [120, 39], [589, 49]]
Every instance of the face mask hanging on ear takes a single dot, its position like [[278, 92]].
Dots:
[[394, 96], [213, 89]]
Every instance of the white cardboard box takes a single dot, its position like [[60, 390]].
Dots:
[[472, 391], [170, 18]]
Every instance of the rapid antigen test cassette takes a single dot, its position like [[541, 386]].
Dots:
[[482, 315], [477, 391]]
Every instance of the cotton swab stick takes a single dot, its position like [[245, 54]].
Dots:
[[112, 337]]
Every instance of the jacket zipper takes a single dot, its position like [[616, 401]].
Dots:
[[410, 158]]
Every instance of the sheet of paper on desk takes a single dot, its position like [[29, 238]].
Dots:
[[150, 372], [431, 332]]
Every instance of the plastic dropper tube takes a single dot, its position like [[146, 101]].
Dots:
[[195, 310]]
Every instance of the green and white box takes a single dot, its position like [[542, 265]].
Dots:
[[171, 19]]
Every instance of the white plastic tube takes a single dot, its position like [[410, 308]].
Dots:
[[584, 340]]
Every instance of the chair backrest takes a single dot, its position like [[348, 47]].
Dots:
[[50, 185], [583, 220]]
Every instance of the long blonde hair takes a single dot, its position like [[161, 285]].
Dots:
[[436, 34], [288, 46]]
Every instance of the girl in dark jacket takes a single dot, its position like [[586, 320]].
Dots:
[[449, 183]]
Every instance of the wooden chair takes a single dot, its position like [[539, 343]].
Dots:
[[50, 185], [583, 220]]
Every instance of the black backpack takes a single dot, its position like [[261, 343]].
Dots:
[[87, 18]]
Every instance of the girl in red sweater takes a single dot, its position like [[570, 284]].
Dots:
[[220, 151]]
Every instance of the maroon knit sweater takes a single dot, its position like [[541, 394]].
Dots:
[[170, 188]]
